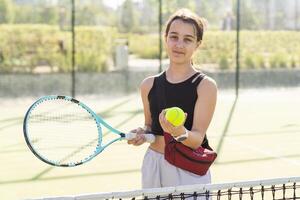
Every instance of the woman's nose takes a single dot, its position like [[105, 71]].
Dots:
[[179, 44]]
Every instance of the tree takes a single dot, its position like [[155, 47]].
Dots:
[[49, 15], [127, 21], [6, 11], [250, 19]]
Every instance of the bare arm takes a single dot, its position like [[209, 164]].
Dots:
[[145, 88], [203, 112]]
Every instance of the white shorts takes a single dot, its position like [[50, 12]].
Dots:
[[157, 172]]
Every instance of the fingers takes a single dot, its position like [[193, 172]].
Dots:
[[165, 124], [170, 128], [139, 139]]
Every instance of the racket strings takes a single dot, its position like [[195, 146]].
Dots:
[[67, 118], [63, 132]]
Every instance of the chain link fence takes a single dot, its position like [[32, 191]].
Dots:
[[107, 47]]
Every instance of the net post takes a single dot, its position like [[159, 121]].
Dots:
[[283, 191], [251, 193], [273, 191], [241, 193], [207, 194], [182, 196], [219, 195], [294, 189], [262, 192], [229, 194]]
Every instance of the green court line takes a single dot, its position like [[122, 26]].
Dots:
[[265, 133], [12, 145], [105, 112], [133, 114], [224, 133], [109, 114], [11, 119], [19, 120], [228, 136], [240, 134], [13, 151], [70, 176], [113, 107], [11, 124], [255, 159]]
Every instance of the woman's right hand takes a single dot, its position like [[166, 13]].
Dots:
[[139, 139], [168, 127]]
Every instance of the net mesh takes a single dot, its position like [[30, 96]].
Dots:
[[269, 189]]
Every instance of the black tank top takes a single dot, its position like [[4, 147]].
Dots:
[[164, 94]]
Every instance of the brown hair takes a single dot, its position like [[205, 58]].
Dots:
[[189, 17]]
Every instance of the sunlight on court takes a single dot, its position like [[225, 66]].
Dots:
[[259, 131]]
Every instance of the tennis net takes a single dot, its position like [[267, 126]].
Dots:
[[268, 189]]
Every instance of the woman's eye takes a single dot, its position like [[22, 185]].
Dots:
[[188, 40], [173, 37]]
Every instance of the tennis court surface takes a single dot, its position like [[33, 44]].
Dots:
[[256, 137]]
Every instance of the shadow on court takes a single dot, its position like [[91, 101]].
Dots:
[[251, 138]]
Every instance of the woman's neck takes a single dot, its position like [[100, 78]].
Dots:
[[177, 73]]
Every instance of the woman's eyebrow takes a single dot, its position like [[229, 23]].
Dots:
[[187, 35], [190, 36], [174, 33]]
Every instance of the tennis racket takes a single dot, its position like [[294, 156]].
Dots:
[[62, 131]]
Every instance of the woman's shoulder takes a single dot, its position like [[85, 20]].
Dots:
[[207, 84], [147, 83]]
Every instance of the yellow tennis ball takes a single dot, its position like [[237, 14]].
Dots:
[[175, 116]]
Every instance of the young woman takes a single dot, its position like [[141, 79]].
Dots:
[[184, 87]]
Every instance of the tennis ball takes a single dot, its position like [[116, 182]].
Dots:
[[175, 116]]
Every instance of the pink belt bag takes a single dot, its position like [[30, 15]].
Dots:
[[196, 161]]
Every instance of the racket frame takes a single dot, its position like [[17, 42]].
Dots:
[[99, 122]]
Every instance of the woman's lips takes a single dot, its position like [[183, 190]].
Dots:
[[178, 52]]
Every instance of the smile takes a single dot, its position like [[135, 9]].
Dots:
[[178, 52]]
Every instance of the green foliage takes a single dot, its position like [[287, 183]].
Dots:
[[127, 21], [252, 60], [223, 63], [279, 60], [94, 46], [36, 14], [217, 48], [144, 46], [88, 12], [6, 11], [91, 12], [259, 49], [25, 48], [249, 62], [293, 62]]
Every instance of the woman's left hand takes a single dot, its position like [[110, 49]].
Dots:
[[170, 128]]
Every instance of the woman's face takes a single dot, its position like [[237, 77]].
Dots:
[[181, 42]]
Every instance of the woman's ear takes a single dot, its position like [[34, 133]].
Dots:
[[165, 40]]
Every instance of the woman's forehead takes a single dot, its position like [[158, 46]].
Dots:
[[183, 28]]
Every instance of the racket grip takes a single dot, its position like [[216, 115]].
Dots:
[[150, 138]]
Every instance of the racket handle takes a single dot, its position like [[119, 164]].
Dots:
[[149, 137]]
